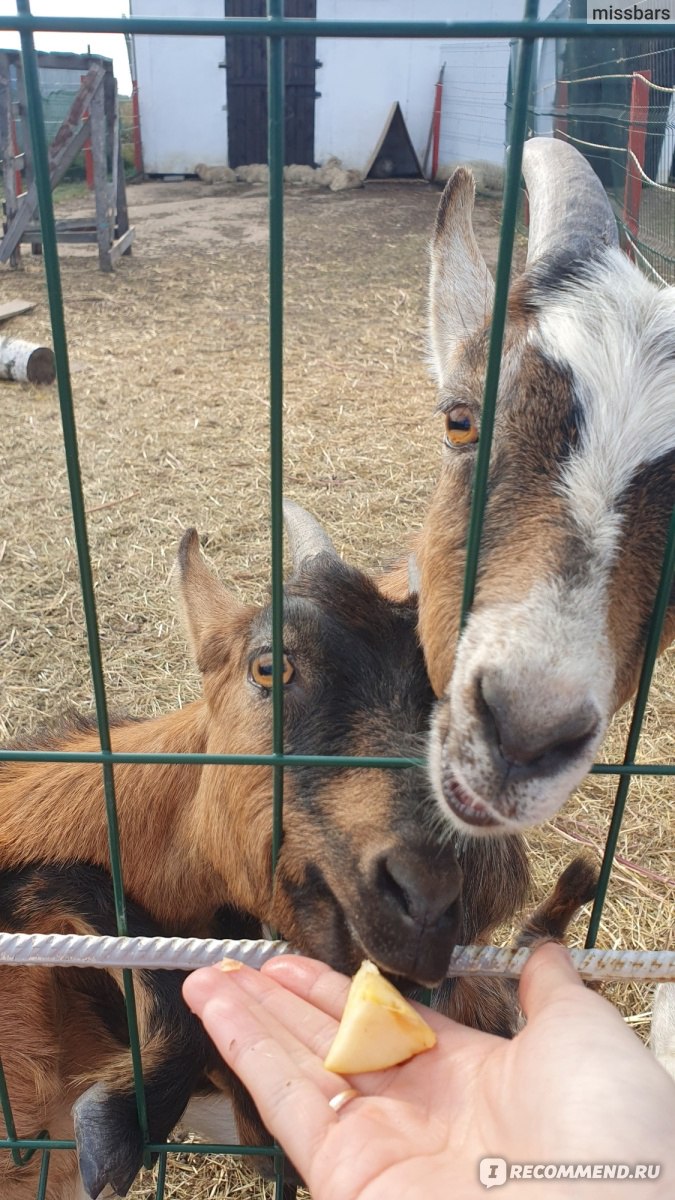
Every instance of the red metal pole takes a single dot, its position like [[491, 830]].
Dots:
[[138, 145], [436, 127], [637, 137]]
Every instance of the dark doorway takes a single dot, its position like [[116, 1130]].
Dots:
[[246, 59]]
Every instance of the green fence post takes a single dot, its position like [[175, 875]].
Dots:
[[54, 290], [657, 619], [505, 257], [275, 100]]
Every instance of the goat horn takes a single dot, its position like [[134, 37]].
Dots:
[[569, 209], [306, 537]]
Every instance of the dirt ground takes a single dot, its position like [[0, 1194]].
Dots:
[[169, 358]]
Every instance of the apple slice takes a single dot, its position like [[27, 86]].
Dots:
[[378, 1028]]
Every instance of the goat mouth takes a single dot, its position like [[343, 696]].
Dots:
[[465, 806], [406, 983]]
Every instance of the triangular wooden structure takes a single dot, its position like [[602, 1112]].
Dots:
[[394, 155]]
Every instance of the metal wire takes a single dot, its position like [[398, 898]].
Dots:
[[187, 954]]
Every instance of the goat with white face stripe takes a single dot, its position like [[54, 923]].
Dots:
[[579, 496]]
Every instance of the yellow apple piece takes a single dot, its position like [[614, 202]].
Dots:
[[378, 1028]]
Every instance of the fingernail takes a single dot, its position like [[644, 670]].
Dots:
[[229, 964]]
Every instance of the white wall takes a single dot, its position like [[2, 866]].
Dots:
[[361, 78], [181, 91]]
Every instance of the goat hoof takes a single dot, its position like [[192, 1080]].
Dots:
[[108, 1140]]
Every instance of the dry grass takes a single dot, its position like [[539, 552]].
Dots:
[[170, 382]]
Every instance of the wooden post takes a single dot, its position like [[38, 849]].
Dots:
[[119, 181], [7, 152], [28, 172], [104, 214], [138, 145], [88, 161], [18, 181], [637, 137]]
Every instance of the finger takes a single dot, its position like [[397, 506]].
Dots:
[[303, 1031], [312, 981], [327, 989], [297, 1016], [205, 995], [548, 976], [292, 1105], [271, 1004]]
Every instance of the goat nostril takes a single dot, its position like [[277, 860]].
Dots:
[[534, 734], [421, 892], [387, 882], [570, 747]]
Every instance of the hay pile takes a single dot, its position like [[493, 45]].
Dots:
[[331, 175], [170, 382]]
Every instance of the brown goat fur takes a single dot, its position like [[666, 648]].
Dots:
[[363, 849], [367, 867]]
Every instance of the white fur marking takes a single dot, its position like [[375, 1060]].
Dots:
[[616, 332]]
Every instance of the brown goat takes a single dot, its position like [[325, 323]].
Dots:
[[366, 868]]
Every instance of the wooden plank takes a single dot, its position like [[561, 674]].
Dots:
[[23, 116], [119, 190], [84, 236], [28, 202], [7, 151], [79, 224], [72, 62], [123, 244], [115, 134], [104, 213], [14, 308], [28, 168]]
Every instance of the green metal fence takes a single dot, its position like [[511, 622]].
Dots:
[[276, 29]]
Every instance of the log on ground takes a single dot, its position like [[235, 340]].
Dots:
[[26, 362]]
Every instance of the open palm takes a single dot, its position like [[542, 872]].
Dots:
[[575, 1086]]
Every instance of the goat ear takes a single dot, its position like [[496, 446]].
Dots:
[[461, 290], [207, 606]]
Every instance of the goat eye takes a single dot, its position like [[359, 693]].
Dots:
[[460, 426], [261, 671]]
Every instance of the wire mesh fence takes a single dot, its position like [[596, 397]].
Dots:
[[652, 241], [615, 101]]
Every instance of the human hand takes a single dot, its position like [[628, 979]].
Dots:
[[575, 1086]]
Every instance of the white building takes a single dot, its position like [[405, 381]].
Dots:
[[204, 100]]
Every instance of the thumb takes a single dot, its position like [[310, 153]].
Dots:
[[548, 976]]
